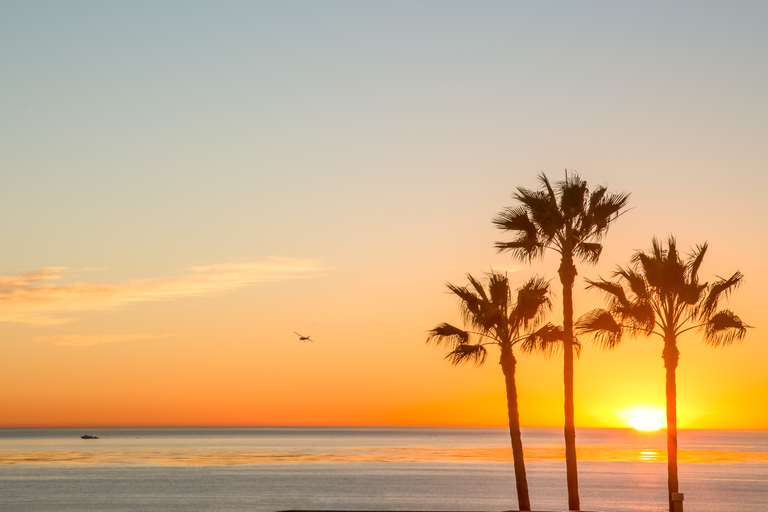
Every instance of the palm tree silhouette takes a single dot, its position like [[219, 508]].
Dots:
[[659, 293], [494, 319], [571, 221]]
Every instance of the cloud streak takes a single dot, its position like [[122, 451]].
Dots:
[[37, 297]]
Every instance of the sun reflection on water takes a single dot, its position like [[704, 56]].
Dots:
[[369, 454], [650, 455]]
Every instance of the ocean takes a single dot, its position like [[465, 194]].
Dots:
[[265, 469]]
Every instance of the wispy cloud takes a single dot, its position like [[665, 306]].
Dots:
[[37, 298], [86, 340]]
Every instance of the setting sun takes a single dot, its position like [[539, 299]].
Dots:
[[645, 419]]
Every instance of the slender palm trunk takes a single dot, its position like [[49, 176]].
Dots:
[[671, 357], [567, 277], [521, 481]]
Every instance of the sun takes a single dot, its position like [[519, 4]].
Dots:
[[646, 419]]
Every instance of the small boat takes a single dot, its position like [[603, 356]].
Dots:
[[88, 436]]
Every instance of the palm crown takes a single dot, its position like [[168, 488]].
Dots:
[[492, 316], [569, 219], [660, 293]]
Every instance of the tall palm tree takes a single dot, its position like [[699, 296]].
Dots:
[[659, 293], [493, 319], [571, 221]]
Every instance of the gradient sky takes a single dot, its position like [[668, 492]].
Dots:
[[185, 184]]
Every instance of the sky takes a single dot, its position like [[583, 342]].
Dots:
[[186, 184]]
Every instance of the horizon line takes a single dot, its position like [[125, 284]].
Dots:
[[357, 426]]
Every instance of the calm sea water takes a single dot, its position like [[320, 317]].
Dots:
[[460, 469]]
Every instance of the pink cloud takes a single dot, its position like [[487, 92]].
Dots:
[[36, 298]]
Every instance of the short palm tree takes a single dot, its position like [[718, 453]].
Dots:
[[571, 221], [659, 293], [493, 319]]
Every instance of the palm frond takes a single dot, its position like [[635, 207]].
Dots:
[[614, 292], [523, 250], [548, 187], [516, 219], [638, 318], [534, 301], [498, 291], [547, 341], [663, 269], [538, 203], [543, 209], [723, 328], [573, 193], [647, 261], [447, 334], [470, 305], [691, 293], [605, 210], [596, 198], [601, 326], [673, 275], [671, 251], [634, 280], [474, 354], [577, 346], [526, 245], [478, 286], [589, 251], [602, 209], [648, 266], [722, 288], [694, 262]]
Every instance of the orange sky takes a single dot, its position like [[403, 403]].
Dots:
[[182, 192]]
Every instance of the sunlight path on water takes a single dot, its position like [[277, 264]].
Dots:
[[369, 454]]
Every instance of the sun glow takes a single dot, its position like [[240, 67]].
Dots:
[[645, 418]]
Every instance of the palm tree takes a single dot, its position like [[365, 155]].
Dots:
[[493, 319], [659, 293], [571, 221]]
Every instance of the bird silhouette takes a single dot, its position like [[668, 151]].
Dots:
[[302, 337]]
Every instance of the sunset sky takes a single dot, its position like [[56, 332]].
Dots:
[[187, 183]]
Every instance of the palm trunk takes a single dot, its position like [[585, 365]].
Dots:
[[671, 357], [521, 481], [567, 277]]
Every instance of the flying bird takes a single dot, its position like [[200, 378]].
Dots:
[[301, 337]]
